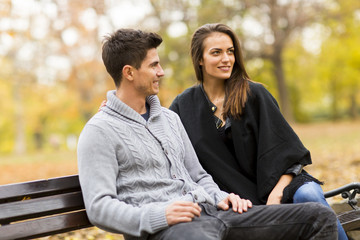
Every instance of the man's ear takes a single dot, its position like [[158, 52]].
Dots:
[[128, 72]]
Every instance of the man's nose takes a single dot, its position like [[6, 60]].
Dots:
[[160, 72]]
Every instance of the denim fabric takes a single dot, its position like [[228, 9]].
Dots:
[[275, 222], [312, 192]]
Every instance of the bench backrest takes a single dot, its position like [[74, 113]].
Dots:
[[41, 208]]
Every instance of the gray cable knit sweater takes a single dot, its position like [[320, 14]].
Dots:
[[131, 169]]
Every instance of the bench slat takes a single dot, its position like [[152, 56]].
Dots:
[[45, 226], [38, 207], [350, 220], [17, 191]]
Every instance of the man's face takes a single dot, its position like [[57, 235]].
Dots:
[[147, 77]]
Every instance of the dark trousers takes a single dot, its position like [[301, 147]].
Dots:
[[285, 221]]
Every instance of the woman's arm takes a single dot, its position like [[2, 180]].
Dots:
[[277, 192]]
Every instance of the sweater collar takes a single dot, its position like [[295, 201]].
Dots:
[[114, 104]]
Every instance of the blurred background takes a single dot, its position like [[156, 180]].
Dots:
[[52, 79]]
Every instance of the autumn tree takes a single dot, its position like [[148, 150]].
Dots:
[[265, 28], [340, 57]]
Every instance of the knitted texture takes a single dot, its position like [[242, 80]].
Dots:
[[131, 169]]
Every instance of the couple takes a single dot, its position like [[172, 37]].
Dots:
[[140, 172]]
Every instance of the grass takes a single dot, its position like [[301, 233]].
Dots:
[[335, 150], [40, 165]]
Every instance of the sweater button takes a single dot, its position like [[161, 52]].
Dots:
[[195, 197], [174, 176], [184, 192]]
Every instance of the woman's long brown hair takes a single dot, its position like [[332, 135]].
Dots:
[[237, 86]]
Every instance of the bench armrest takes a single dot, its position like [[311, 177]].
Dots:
[[347, 191]]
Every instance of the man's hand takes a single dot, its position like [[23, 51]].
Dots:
[[103, 104], [238, 204], [182, 211]]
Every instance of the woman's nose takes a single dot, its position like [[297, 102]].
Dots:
[[225, 57]]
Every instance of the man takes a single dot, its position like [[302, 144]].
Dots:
[[140, 175]]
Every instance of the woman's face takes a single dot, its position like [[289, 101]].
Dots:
[[218, 57]]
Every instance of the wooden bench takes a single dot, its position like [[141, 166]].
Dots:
[[350, 220], [47, 207], [41, 208]]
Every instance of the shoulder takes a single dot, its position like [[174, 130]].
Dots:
[[96, 124], [186, 98], [188, 93], [101, 119], [169, 114], [257, 88], [95, 131], [258, 92], [95, 121], [102, 123]]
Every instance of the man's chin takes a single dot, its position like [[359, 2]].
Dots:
[[156, 92]]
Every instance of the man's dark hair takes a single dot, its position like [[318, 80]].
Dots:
[[127, 47]]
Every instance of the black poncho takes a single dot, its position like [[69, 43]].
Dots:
[[265, 144]]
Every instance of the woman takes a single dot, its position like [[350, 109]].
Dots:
[[237, 129]]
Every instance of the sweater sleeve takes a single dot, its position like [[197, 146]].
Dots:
[[98, 171], [196, 171]]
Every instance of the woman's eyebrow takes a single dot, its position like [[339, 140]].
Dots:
[[216, 48]]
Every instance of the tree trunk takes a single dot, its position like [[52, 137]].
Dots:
[[334, 104], [353, 111], [20, 144], [285, 104]]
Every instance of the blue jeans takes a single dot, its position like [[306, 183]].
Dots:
[[312, 192], [274, 222]]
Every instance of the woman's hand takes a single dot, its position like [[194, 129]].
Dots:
[[103, 104], [277, 193], [275, 197], [238, 204]]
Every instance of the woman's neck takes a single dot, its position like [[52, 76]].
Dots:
[[214, 89]]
